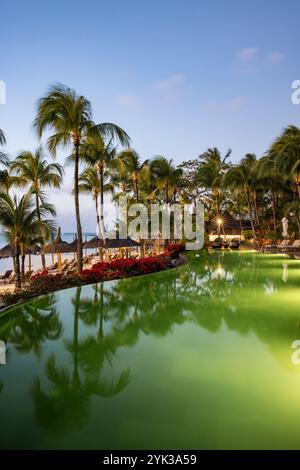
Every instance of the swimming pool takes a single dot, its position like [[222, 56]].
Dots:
[[203, 356]]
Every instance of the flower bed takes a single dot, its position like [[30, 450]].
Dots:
[[45, 282]]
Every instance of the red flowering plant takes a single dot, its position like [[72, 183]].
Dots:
[[153, 264], [174, 250], [39, 274], [44, 282]]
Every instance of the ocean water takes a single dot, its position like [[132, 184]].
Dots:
[[7, 263]]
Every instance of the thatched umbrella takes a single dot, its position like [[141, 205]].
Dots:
[[74, 246], [58, 246], [9, 251], [111, 243]]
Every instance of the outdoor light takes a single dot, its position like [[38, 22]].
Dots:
[[219, 221]]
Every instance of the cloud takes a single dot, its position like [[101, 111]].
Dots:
[[126, 100], [171, 87], [248, 53], [275, 57]]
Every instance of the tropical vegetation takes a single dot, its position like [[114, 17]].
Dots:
[[261, 189]]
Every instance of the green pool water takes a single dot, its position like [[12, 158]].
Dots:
[[202, 356]]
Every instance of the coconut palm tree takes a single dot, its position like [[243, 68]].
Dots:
[[91, 183], [166, 175], [129, 161], [97, 154], [8, 178], [286, 151], [241, 176], [2, 137], [33, 168], [4, 160], [69, 116], [18, 217], [211, 173], [272, 181]]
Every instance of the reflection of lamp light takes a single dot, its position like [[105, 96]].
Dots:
[[219, 270]]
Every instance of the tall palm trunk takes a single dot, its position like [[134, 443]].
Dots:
[[97, 214], [22, 266], [100, 250], [273, 210], [77, 209], [17, 265], [136, 183], [255, 207], [251, 216], [167, 192], [102, 226], [239, 214], [102, 202], [37, 204]]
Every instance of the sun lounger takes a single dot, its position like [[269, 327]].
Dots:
[[234, 244], [217, 243], [5, 277], [294, 246], [274, 247], [12, 278], [28, 276], [54, 266]]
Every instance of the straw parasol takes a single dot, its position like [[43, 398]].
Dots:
[[8, 251], [58, 246], [111, 243], [74, 245]]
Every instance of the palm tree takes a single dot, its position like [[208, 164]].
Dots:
[[97, 154], [166, 175], [2, 137], [6, 179], [241, 177], [285, 150], [19, 217], [211, 173], [32, 168], [4, 161], [273, 182], [90, 182], [129, 162], [70, 117]]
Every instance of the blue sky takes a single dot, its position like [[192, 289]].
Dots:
[[179, 76]]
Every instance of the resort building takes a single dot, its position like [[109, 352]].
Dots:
[[226, 226]]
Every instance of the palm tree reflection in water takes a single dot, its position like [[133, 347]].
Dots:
[[66, 406]]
